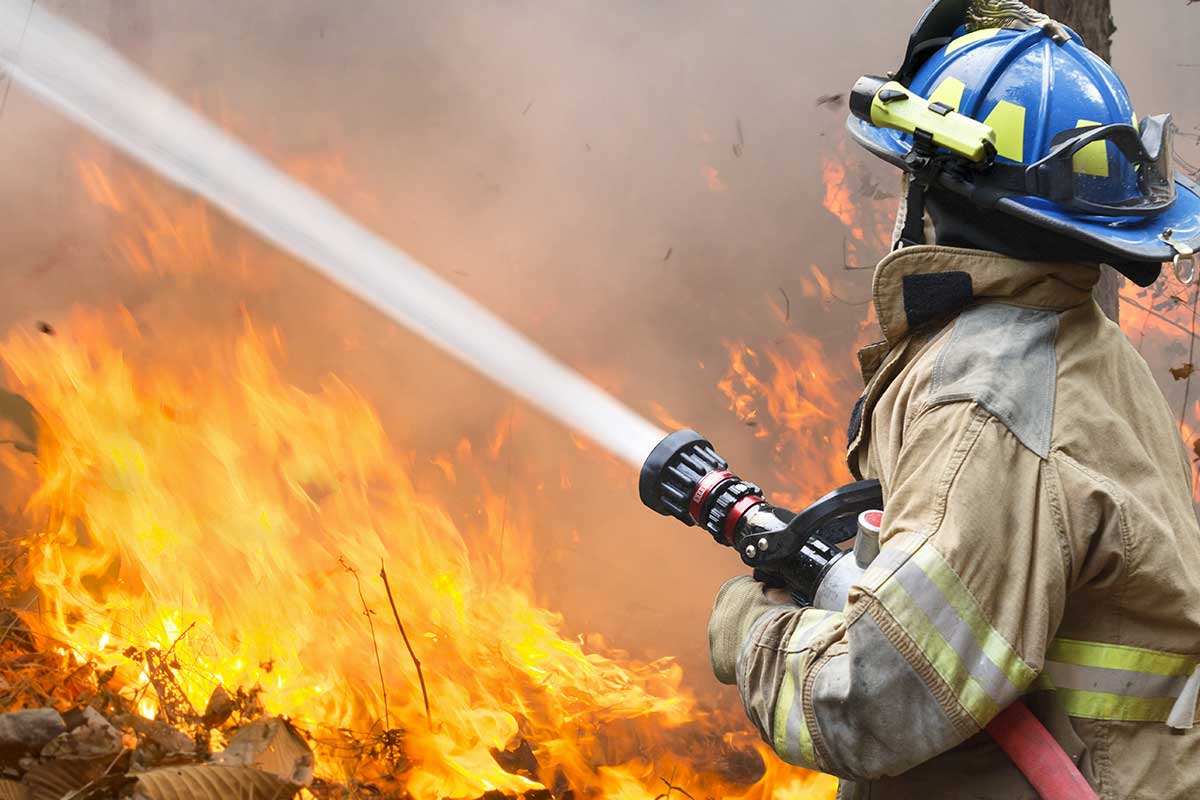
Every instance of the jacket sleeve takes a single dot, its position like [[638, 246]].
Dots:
[[947, 627]]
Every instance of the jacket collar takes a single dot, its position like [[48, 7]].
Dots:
[[921, 284]]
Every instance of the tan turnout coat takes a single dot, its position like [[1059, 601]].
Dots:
[[1039, 541]]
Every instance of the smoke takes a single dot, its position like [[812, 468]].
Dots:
[[630, 183]]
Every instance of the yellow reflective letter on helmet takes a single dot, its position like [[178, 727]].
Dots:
[[1008, 120]]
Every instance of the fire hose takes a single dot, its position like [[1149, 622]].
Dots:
[[808, 555]]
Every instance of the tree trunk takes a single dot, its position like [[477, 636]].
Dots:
[[1091, 19]]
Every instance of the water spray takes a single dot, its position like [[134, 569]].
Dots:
[[682, 477], [92, 84]]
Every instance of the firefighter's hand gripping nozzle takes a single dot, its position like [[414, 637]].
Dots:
[[807, 553]]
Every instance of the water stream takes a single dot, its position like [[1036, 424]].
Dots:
[[89, 82]]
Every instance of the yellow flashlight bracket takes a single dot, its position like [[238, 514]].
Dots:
[[942, 137], [947, 146]]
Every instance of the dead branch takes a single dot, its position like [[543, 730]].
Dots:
[[416, 661], [1156, 314], [368, 613]]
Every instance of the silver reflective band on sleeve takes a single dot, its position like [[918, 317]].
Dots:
[[939, 614]]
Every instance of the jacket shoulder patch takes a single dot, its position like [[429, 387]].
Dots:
[[1002, 357]]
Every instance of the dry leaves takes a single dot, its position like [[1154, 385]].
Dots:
[[271, 745], [207, 782]]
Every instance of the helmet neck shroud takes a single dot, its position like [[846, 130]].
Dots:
[[962, 224]]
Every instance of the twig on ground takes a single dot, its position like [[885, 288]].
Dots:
[[368, 613], [416, 661]]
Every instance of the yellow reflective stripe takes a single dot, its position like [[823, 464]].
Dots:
[[993, 644], [810, 619], [971, 38], [937, 611], [950, 92], [896, 550], [1093, 159], [1100, 705], [804, 743], [1008, 121], [1082, 669], [1119, 656], [941, 656], [783, 707], [789, 730]]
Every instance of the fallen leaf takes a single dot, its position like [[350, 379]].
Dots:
[[91, 736], [219, 709], [1184, 372], [11, 790], [61, 777], [271, 745], [108, 787], [24, 733], [205, 782]]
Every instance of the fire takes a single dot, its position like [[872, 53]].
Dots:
[[202, 513], [854, 194], [712, 177], [793, 397], [837, 195], [1159, 321]]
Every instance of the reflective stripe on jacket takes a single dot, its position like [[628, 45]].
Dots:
[[1039, 540]]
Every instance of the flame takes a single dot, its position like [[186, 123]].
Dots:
[[795, 398], [868, 221], [205, 507], [837, 194], [1160, 321], [712, 177]]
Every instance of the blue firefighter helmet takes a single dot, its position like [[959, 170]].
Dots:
[[1061, 145]]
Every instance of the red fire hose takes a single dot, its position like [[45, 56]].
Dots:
[[1039, 757]]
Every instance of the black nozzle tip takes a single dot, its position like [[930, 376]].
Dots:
[[863, 95], [650, 481], [673, 470]]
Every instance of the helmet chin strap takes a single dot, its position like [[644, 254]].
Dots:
[[910, 217]]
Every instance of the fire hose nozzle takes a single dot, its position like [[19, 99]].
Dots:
[[685, 478]]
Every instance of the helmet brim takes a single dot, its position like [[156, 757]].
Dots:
[[1127, 238]]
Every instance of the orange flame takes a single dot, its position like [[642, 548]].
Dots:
[[837, 194], [796, 399], [206, 506]]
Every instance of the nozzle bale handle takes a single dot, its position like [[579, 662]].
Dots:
[[683, 477]]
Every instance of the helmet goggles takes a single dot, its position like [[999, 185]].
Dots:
[[1100, 170]]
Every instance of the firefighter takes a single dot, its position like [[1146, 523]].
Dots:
[[1039, 539]]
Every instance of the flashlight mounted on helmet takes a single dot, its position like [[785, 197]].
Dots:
[[807, 553], [887, 103]]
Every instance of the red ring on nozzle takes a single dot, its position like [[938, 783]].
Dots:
[[737, 512], [703, 489]]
